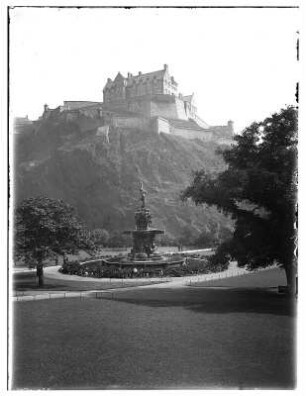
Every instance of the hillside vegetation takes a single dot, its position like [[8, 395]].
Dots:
[[101, 179]]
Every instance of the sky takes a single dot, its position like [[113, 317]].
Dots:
[[240, 63]]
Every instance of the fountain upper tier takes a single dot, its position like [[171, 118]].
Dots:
[[143, 235]]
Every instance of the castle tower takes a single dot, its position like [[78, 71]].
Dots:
[[230, 125]]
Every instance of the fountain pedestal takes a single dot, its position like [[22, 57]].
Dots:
[[143, 253]]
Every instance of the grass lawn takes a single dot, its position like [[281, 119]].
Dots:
[[156, 338], [27, 282]]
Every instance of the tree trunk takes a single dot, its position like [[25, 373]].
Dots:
[[291, 275], [40, 274]]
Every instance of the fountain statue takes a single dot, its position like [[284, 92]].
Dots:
[[143, 254], [143, 236]]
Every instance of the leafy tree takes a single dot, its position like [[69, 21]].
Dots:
[[212, 236], [45, 227], [187, 237], [100, 237], [166, 240], [258, 189], [118, 239]]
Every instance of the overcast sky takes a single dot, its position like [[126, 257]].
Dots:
[[240, 63]]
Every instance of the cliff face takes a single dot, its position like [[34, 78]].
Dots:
[[101, 179]]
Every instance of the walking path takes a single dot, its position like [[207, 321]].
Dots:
[[123, 285]]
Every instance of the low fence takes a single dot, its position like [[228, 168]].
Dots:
[[194, 279], [20, 296], [49, 296]]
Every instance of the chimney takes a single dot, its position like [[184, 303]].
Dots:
[[139, 73], [109, 80], [46, 107], [166, 67]]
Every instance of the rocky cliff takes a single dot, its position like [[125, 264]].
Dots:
[[101, 178]]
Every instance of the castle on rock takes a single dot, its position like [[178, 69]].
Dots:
[[147, 101]]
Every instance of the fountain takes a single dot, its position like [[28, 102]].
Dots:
[[144, 255]]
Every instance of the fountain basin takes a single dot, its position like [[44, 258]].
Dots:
[[164, 262]]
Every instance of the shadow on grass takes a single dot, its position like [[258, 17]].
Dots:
[[218, 301]]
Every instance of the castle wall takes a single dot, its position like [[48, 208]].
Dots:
[[167, 106], [139, 105], [200, 122], [161, 125], [180, 109], [131, 122], [190, 110], [163, 109], [191, 134], [71, 105]]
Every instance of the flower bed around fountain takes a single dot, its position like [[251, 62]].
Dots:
[[101, 268], [143, 260]]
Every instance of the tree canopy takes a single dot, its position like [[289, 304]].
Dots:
[[258, 189], [45, 227]]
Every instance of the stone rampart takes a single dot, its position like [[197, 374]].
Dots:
[[161, 125], [191, 134], [200, 122], [74, 104], [167, 106], [121, 121]]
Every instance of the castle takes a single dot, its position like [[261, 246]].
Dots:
[[150, 102]]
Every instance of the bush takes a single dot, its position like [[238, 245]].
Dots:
[[71, 268]]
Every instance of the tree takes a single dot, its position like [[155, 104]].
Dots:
[[118, 240], [187, 237], [258, 189], [45, 227], [213, 235], [100, 237]]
